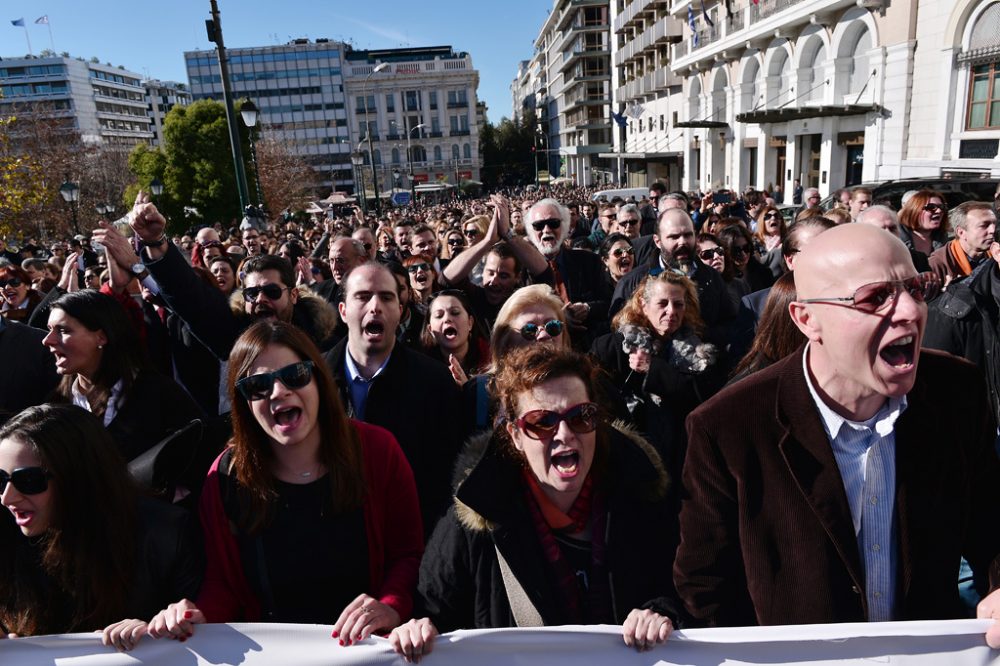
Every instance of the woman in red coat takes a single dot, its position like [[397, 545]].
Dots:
[[296, 511]]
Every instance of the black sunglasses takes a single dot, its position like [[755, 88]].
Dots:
[[471, 233], [931, 207], [27, 480], [772, 216], [456, 241], [740, 249], [13, 282], [272, 291], [418, 267], [622, 251], [553, 328], [552, 223], [627, 223], [706, 255], [258, 387], [542, 424]]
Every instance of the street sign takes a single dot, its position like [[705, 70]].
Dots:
[[401, 199]]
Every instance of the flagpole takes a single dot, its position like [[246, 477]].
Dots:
[[52, 42], [26, 37]]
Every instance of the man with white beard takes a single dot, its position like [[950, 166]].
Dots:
[[578, 275]]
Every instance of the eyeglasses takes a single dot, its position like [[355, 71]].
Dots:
[[258, 387], [456, 241], [622, 251], [772, 216], [627, 223], [740, 249], [27, 480], [471, 233], [542, 424], [272, 291], [552, 223], [553, 328], [212, 243], [418, 267], [706, 255], [878, 296], [932, 207], [13, 282]]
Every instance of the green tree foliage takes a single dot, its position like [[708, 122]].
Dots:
[[194, 164], [507, 150]]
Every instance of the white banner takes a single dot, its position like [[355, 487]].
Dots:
[[939, 643]]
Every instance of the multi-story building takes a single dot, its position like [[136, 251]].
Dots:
[[103, 103], [572, 89], [836, 92], [419, 106], [298, 88], [523, 89], [161, 96], [647, 144]]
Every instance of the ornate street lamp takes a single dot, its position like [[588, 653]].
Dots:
[[70, 193], [358, 160], [371, 152], [156, 187], [250, 114]]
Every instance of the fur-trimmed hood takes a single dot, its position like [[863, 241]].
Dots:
[[485, 476], [312, 313]]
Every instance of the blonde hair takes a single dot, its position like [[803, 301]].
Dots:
[[632, 312]]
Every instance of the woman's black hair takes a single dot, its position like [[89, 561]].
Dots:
[[123, 356], [609, 243], [89, 547]]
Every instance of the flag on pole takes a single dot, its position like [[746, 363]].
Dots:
[[44, 20], [620, 119], [19, 22], [704, 12], [694, 30]]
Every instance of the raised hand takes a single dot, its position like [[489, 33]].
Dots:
[[147, 222]]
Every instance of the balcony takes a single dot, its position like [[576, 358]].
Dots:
[[460, 104], [664, 31], [590, 51], [635, 10], [572, 7], [434, 135], [464, 132]]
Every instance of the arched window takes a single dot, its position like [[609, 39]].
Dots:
[[983, 56], [811, 71], [455, 151], [751, 98], [395, 155], [467, 151], [437, 154], [378, 157], [419, 154], [694, 101], [779, 80], [719, 96]]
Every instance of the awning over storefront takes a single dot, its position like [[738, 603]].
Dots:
[[697, 124], [640, 156], [804, 112]]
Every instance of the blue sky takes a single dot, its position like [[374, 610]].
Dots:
[[151, 37]]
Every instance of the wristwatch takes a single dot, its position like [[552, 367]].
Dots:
[[155, 243], [137, 269]]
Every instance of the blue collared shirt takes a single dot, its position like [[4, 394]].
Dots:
[[866, 456], [358, 384]]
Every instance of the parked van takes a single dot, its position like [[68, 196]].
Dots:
[[954, 190], [635, 193]]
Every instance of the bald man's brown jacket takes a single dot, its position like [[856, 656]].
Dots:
[[766, 532]]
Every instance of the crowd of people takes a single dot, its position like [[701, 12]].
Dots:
[[527, 409]]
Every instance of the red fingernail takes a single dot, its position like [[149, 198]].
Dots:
[[188, 615], [335, 633], [342, 641]]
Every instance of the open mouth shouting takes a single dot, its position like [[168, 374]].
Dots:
[[373, 330], [449, 333], [566, 463], [900, 354], [286, 418]]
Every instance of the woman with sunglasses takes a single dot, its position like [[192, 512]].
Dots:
[[923, 222], [658, 362], [17, 299], [309, 517], [80, 548], [423, 279], [619, 258], [752, 275], [454, 244], [768, 238], [558, 518], [452, 336]]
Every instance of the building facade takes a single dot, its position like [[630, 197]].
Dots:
[[837, 92], [103, 103], [161, 96], [419, 106], [298, 88]]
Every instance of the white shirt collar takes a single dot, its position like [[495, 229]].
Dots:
[[352, 368], [80, 400], [882, 423]]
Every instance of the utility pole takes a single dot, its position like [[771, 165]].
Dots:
[[214, 28]]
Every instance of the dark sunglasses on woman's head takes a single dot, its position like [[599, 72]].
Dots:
[[542, 424], [418, 267], [258, 387], [553, 327], [272, 291], [552, 223], [13, 282], [622, 251], [706, 255], [932, 207], [27, 480]]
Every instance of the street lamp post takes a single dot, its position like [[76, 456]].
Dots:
[[70, 193], [358, 161], [248, 110], [156, 187], [538, 135], [409, 159], [371, 152]]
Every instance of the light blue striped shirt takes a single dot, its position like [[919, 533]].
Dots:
[[866, 455]]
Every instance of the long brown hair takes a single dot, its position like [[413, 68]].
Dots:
[[632, 312], [339, 449], [89, 547], [777, 335]]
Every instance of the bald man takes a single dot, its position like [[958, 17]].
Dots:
[[832, 486]]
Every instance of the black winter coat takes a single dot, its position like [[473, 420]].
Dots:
[[416, 399], [963, 321], [461, 586]]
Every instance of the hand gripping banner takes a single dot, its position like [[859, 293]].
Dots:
[[937, 643]]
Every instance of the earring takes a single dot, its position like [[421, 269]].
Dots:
[[100, 346]]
